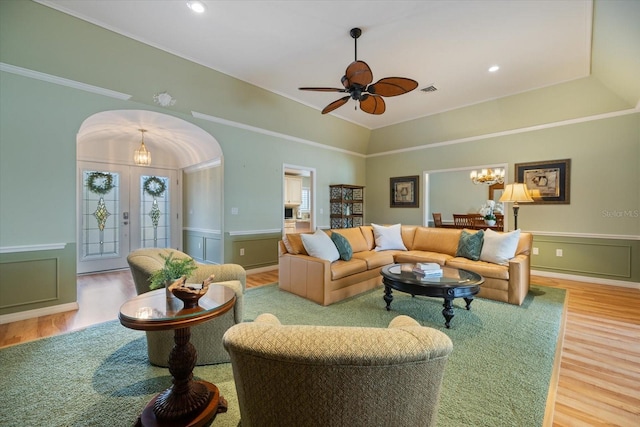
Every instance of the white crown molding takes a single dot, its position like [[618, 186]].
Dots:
[[206, 165], [32, 248], [62, 81], [511, 132], [271, 133]]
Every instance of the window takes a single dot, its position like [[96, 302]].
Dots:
[[305, 206]]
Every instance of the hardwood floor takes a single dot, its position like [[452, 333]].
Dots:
[[598, 369]]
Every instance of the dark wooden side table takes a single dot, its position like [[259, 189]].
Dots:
[[187, 402]]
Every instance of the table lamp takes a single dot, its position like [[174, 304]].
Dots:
[[516, 193]]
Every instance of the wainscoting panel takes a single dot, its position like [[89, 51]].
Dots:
[[28, 282], [204, 246], [213, 250], [606, 258], [36, 279], [252, 250]]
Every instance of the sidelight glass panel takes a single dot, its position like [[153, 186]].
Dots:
[[100, 214], [155, 212]]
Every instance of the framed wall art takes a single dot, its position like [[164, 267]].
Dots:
[[548, 182], [405, 192]]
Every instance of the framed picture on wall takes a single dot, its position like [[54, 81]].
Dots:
[[548, 182], [405, 192]]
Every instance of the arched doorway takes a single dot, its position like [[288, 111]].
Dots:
[[131, 214]]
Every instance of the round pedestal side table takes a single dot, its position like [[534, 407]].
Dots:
[[187, 402]]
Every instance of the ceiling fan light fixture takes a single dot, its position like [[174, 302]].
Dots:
[[357, 83]]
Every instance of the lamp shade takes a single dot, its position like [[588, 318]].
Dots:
[[516, 193]]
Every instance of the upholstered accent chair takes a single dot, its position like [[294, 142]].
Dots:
[[309, 376], [206, 337]]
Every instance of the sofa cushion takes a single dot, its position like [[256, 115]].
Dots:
[[320, 245], [405, 257], [486, 269], [408, 232], [376, 259], [441, 240], [499, 248], [355, 237], [343, 246], [388, 238], [470, 245], [340, 269], [367, 232], [293, 243]]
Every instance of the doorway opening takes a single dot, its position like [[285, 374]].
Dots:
[[299, 190], [121, 206], [449, 191]]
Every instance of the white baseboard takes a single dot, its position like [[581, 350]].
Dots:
[[38, 312], [262, 269], [577, 278]]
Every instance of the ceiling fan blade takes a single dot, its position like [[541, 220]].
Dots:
[[335, 104], [358, 73], [323, 89], [392, 86], [372, 104]]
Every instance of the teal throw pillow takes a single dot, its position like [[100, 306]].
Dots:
[[470, 245], [343, 246]]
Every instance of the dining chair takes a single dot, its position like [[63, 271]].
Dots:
[[437, 219], [462, 221]]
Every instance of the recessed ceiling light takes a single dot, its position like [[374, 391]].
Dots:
[[196, 6], [493, 68]]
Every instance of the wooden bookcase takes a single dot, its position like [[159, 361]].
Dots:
[[347, 205]]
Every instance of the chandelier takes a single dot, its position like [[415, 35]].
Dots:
[[142, 156], [487, 176]]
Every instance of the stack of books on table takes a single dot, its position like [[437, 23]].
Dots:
[[428, 269]]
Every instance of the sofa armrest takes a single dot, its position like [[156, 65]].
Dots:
[[305, 276], [519, 277], [221, 272]]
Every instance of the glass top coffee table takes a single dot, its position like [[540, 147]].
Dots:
[[186, 402], [454, 283]]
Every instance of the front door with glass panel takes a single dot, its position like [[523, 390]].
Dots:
[[123, 208]]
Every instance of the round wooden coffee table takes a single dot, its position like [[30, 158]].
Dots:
[[186, 402], [454, 283]]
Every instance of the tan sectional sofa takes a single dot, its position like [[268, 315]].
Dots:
[[327, 282]]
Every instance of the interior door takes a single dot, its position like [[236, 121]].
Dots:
[[123, 208]]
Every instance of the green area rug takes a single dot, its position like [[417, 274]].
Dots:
[[498, 374]]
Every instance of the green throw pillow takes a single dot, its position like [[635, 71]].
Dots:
[[343, 246], [470, 245]]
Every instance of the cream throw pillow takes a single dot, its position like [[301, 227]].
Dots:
[[499, 248], [320, 245], [388, 238]]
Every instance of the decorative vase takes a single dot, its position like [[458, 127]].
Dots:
[[490, 222]]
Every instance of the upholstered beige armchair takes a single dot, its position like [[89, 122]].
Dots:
[[206, 337], [337, 376]]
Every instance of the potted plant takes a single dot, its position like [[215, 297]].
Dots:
[[173, 270], [487, 212]]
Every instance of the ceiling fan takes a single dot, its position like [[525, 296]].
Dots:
[[356, 82]]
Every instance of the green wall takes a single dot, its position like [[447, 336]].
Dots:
[[39, 122]]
